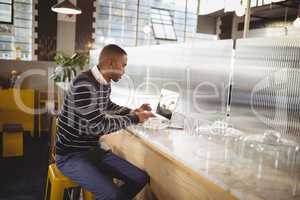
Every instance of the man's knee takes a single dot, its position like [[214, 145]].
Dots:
[[142, 178], [113, 195]]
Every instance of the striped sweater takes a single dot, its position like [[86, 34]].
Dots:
[[87, 113]]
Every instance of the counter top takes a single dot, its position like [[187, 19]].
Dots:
[[220, 163]]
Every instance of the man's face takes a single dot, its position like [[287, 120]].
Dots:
[[118, 67]]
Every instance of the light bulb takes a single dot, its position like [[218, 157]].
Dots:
[[66, 11], [66, 7]]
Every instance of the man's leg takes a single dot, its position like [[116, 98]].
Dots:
[[134, 178], [83, 171]]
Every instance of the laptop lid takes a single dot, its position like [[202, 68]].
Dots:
[[167, 103]]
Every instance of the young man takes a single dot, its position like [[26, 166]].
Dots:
[[88, 113]]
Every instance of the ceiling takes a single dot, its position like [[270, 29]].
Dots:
[[270, 12]]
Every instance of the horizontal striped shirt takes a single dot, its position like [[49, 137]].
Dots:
[[88, 113]]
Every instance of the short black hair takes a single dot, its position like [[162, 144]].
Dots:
[[113, 49]]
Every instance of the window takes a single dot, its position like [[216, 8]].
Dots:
[[6, 11], [18, 33], [256, 3], [162, 24]]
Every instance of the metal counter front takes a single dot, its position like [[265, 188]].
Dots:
[[266, 86]]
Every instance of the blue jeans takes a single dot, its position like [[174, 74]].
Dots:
[[94, 170]]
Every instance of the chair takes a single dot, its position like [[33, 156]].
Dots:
[[12, 140]]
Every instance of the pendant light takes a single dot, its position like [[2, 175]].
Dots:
[[66, 7]]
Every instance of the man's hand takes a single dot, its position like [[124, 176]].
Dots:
[[144, 107], [144, 115]]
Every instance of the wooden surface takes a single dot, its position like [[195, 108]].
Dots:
[[170, 179]]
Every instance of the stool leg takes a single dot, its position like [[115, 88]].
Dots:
[[46, 190], [75, 193], [88, 195], [57, 192]]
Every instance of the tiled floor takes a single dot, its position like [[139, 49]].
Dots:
[[24, 178]]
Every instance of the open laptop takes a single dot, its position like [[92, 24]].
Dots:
[[166, 106]]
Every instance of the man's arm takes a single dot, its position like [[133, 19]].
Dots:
[[117, 109], [121, 110], [87, 105]]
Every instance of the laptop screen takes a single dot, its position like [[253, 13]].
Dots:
[[167, 103]]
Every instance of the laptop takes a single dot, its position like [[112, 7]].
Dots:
[[166, 106]]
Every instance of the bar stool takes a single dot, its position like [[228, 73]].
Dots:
[[59, 183], [12, 139], [87, 195]]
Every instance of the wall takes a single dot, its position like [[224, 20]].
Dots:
[[34, 81], [65, 37], [206, 24], [264, 28], [66, 26], [84, 26], [41, 33], [46, 30]]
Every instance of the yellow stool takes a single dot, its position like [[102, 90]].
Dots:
[[12, 140], [88, 195], [59, 183]]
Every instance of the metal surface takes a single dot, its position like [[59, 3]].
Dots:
[[266, 86], [265, 89], [198, 71]]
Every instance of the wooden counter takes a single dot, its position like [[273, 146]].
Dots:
[[183, 166], [170, 179]]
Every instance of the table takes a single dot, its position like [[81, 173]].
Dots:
[[185, 166]]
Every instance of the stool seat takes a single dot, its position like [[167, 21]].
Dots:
[[59, 183], [56, 175]]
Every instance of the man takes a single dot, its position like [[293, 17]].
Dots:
[[88, 113]]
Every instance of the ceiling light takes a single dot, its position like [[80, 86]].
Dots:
[[66, 7]]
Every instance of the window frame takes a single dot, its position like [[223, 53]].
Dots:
[[263, 3], [161, 23], [12, 13]]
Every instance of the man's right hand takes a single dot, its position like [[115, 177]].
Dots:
[[144, 115]]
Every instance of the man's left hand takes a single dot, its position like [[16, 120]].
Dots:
[[144, 107]]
